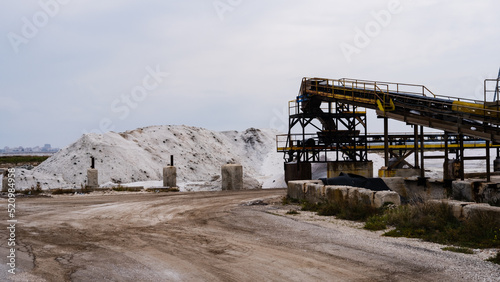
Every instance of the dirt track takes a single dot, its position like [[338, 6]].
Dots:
[[211, 236]]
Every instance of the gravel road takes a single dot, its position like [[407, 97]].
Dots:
[[214, 236]]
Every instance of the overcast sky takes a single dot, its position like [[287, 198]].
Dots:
[[70, 67]]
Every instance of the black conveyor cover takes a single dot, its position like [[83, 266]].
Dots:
[[354, 180]]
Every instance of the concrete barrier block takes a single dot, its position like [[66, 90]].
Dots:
[[366, 196], [345, 192], [232, 177], [314, 192], [396, 184], [485, 209], [335, 193], [297, 189], [353, 194], [294, 190], [457, 207], [170, 176], [92, 178], [462, 190], [382, 197], [435, 189], [305, 183]]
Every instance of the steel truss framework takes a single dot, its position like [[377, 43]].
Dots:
[[342, 133], [341, 136]]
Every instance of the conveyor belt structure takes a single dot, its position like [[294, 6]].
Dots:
[[335, 103], [414, 104]]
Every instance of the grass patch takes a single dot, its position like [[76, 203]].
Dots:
[[126, 189], [160, 190], [495, 259], [308, 206], [428, 221], [461, 250], [350, 210], [292, 212], [436, 223], [22, 159], [375, 223], [289, 201]]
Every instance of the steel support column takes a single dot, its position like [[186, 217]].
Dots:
[[422, 169], [415, 145], [446, 171], [462, 171], [386, 141], [488, 172]]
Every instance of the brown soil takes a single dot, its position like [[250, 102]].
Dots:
[[212, 236]]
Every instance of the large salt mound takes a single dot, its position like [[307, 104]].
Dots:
[[139, 155]]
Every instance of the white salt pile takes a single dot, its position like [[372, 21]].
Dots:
[[136, 158], [139, 156]]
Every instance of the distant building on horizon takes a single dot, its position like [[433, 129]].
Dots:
[[46, 149]]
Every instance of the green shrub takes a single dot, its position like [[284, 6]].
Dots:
[[329, 209], [376, 222], [430, 222], [308, 206], [288, 201], [480, 230], [355, 210], [350, 210], [436, 223]]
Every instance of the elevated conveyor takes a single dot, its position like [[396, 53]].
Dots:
[[375, 142], [341, 135], [414, 104]]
